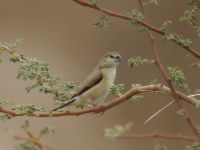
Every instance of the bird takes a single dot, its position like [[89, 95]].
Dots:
[[96, 86]]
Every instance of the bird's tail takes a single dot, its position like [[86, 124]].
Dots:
[[65, 104]]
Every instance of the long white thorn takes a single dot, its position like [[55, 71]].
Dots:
[[156, 113], [194, 95]]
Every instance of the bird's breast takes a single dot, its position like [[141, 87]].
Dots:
[[109, 76]]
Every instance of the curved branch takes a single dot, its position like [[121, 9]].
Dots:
[[102, 108], [160, 135], [144, 23]]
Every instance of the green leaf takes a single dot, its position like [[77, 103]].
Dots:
[[116, 89], [28, 145], [94, 2], [178, 38], [190, 16], [136, 16], [15, 44], [16, 58], [27, 110], [136, 98], [194, 146], [197, 30], [5, 102], [178, 77], [143, 29], [32, 68], [5, 117], [160, 146], [46, 130], [136, 61], [65, 92], [102, 21], [165, 26], [156, 2], [71, 85], [116, 131], [135, 85], [2, 49], [196, 64]]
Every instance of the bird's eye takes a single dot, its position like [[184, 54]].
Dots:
[[111, 56]]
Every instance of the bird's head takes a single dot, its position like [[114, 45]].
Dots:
[[110, 59]]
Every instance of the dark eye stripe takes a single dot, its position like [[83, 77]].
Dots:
[[111, 56]]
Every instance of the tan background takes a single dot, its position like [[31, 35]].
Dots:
[[61, 33]]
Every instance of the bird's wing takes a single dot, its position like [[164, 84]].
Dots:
[[93, 79]]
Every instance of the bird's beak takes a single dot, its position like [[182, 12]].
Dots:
[[119, 59]]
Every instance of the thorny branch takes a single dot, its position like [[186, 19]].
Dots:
[[144, 23], [102, 108], [168, 80], [160, 135], [31, 137]]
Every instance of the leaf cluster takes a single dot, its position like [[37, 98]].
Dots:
[[137, 17], [194, 146], [27, 109], [165, 26], [28, 145], [178, 77], [190, 16], [116, 89], [94, 2], [5, 117], [196, 64], [32, 68], [136, 98], [39, 71], [102, 21], [185, 42], [15, 44], [137, 60], [116, 131]]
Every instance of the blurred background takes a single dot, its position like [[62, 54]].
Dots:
[[62, 33]]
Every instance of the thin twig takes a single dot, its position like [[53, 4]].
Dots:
[[7, 48], [31, 137], [160, 135], [144, 23]]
